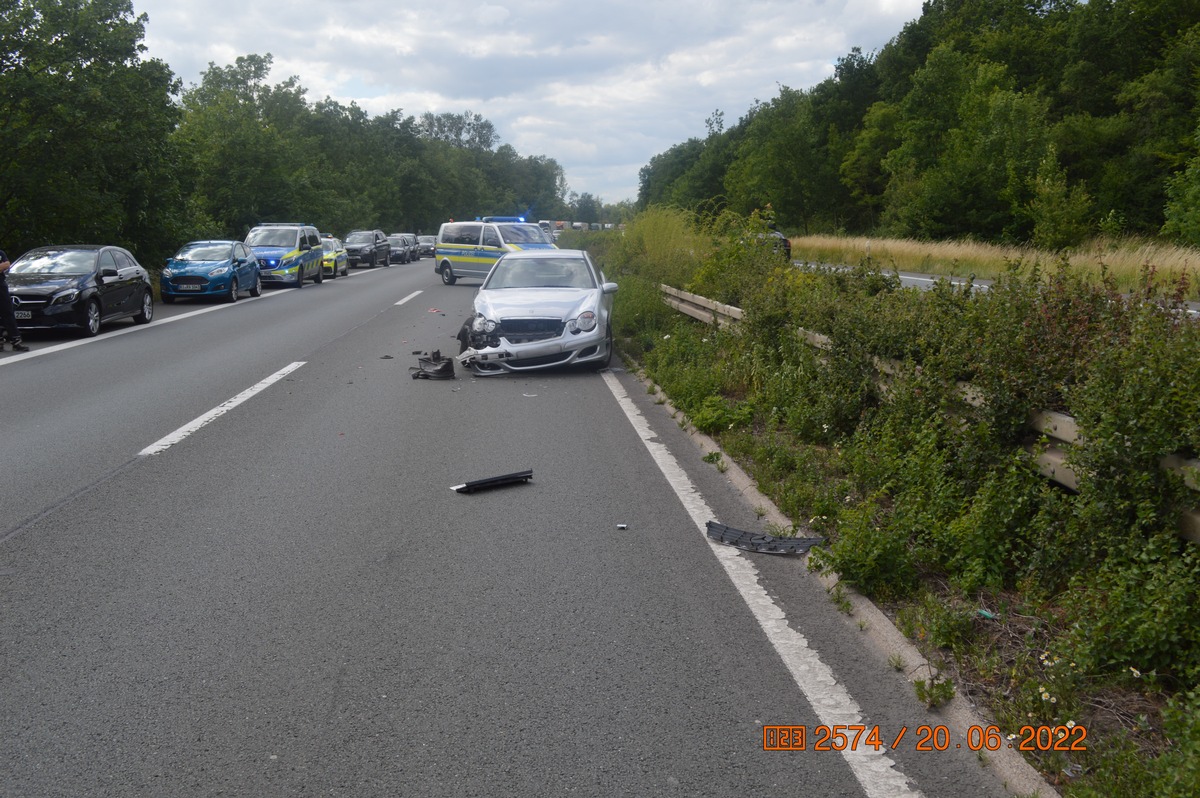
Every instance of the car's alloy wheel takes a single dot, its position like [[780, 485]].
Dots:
[[232, 296], [91, 318], [257, 289], [147, 312], [448, 274], [608, 344], [333, 275], [320, 276]]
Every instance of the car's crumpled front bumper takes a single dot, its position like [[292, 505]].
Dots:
[[564, 350]]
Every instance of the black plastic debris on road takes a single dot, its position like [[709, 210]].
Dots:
[[758, 542], [432, 366], [494, 482]]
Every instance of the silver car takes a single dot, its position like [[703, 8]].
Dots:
[[539, 308]]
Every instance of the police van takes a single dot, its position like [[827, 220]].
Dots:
[[288, 253], [469, 249]]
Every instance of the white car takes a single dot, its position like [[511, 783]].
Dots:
[[539, 308]]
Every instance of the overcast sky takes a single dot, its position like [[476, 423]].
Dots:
[[601, 87]]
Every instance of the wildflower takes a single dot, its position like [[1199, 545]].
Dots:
[[665, 337], [1070, 724], [1136, 673]]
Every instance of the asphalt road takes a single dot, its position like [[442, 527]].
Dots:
[[290, 601]]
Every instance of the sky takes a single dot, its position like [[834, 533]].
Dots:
[[601, 87]]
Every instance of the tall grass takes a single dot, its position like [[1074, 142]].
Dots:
[[1125, 259]]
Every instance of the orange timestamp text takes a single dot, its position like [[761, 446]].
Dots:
[[925, 738]]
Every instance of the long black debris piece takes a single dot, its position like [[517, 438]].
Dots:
[[494, 482], [755, 541]]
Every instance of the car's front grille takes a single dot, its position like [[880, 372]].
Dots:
[[29, 302], [544, 360], [523, 331]]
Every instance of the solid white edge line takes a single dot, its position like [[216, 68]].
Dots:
[[410, 296], [875, 771], [166, 442]]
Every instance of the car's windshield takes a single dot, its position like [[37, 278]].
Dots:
[[360, 238], [330, 244], [204, 251], [540, 273], [272, 237], [59, 261], [396, 240], [522, 234], [427, 239]]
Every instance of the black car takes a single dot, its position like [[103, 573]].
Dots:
[[427, 245], [780, 243], [399, 249], [79, 285], [414, 246], [367, 246]]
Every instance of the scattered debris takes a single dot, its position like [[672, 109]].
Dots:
[[432, 366], [494, 482], [763, 544], [622, 526], [386, 357], [991, 616]]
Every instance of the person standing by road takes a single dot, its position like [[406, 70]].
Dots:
[[6, 312]]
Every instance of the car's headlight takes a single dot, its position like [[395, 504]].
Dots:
[[167, 272], [66, 297], [217, 272], [585, 323], [482, 324]]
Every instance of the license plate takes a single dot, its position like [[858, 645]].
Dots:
[[187, 288], [22, 314]]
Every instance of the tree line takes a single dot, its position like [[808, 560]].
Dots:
[[1040, 121], [100, 143]]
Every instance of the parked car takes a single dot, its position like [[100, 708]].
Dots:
[[398, 249], [210, 269], [780, 243], [334, 258], [469, 249], [79, 285], [414, 246], [288, 253], [367, 247], [427, 245], [539, 308]]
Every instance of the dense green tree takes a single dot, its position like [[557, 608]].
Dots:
[[85, 154], [657, 178], [780, 162]]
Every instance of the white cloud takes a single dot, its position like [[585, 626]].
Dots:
[[600, 87]]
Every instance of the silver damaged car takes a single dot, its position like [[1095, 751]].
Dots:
[[539, 308]]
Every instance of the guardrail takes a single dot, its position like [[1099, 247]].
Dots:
[[1059, 428]]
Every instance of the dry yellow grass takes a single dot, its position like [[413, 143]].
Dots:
[[1125, 259]]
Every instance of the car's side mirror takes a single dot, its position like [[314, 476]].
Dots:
[[610, 288], [108, 271]]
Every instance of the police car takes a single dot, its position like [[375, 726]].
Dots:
[[288, 253], [469, 249]]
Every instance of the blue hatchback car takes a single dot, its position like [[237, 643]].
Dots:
[[222, 269]]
